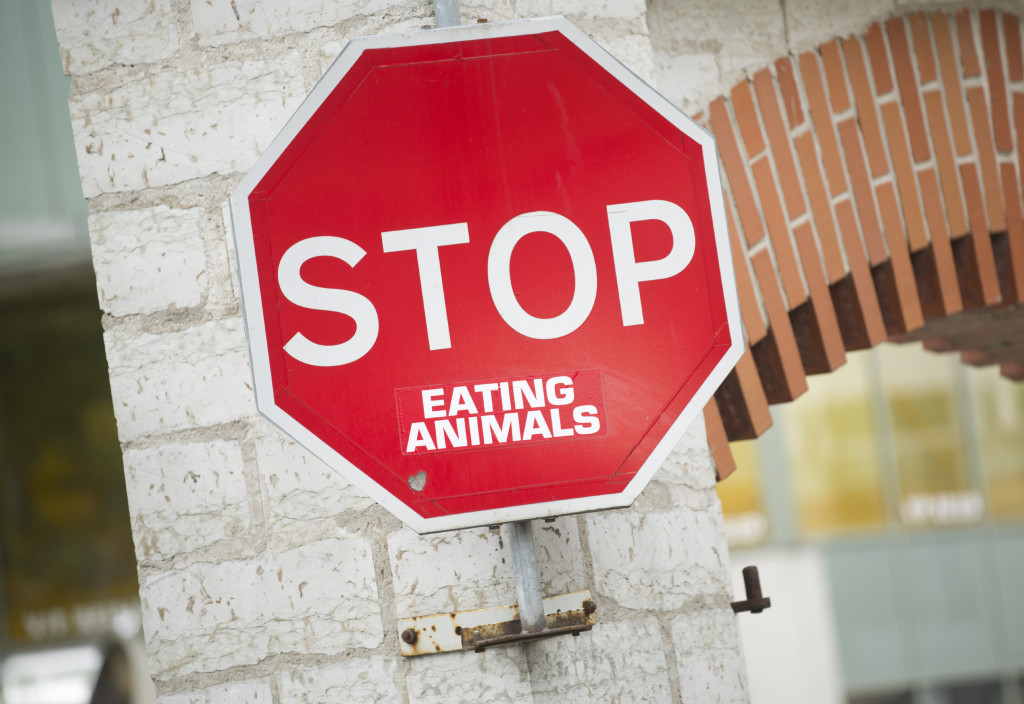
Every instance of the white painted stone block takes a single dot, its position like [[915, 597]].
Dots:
[[319, 598], [658, 559], [302, 493], [248, 692], [472, 569], [634, 52], [219, 23], [708, 656], [740, 36], [811, 22], [497, 676], [97, 33], [171, 381], [691, 81], [559, 556], [183, 124], [453, 571], [614, 662], [589, 8], [354, 681], [148, 260], [185, 496]]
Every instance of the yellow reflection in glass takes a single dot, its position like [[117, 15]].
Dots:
[[831, 445], [745, 520], [931, 465], [999, 404]]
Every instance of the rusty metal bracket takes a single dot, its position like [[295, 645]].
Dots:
[[755, 603], [479, 629]]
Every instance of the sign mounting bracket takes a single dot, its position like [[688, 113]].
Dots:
[[532, 618]]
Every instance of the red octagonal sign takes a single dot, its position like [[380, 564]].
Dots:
[[485, 274]]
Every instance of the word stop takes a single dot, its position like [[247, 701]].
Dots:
[[426, 241]]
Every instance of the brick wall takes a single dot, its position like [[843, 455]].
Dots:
[[874, 193], [264, 576]]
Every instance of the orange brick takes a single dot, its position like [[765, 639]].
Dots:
[[865, 100], [778, 232], [987, 160], [946, 163], [879, 58], [1014, 56], [822, 119], [907, 315], [777, 356], [863, 195], [835, 76], [735, 171], [1018, 123], [753, 394], [996, 81], [778, 140], [821, 207], [980, 241], [1015, 230], [741, 402], [749, 310], [965, 35], [864, 323], [822, 350], [951, 84], [923, 47], [913, 217], [746, 118], [725, 464], [941, 248], [790, 93], [908, 89]]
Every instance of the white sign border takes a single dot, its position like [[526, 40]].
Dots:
[[253, 312]]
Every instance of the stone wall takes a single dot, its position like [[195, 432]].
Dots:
[[264, 576]]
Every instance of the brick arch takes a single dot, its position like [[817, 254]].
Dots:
[[873, 190]]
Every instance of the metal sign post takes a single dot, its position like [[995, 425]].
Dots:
[[524, 557]]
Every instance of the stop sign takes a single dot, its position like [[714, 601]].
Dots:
[[485, 274]]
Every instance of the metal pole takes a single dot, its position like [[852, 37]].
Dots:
[[524, 564], [524, 557], [447, 13]]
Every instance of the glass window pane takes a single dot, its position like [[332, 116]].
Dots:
[[927, 439], [999, 408], [833, 452], [745, 521]]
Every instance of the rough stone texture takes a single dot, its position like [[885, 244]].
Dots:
[[171, 381], [317, 598], [472, 569], [653, 560], [249, 692], [809, 23], [183, 124], [601, 8], [96, 33], [219, 23], [496, 676], [452, 571], [148, 260], [704, 47], [302, 495], [184, 496], [355, 681], [708, 657], [615, 662]]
